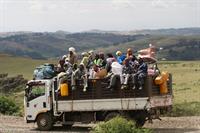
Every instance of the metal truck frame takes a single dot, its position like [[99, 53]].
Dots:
[[44, 104]]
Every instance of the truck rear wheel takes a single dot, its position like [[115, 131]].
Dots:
[[140, 122], [44, 122], [139, 117]]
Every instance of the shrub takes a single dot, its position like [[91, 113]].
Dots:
[[7, 106], [118, 125]]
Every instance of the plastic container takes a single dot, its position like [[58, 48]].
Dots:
[[163, 88], [161, 80], [64, 89], [158, 80]]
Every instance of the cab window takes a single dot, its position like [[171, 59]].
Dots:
[[35, 91]]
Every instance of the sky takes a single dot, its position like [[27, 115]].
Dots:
[[84, 15]]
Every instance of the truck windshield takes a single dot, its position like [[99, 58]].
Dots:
[[34, 91]]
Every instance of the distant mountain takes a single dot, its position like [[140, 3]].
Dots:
[[46, 45], [6, 34], [172, 44], [171, 31], [168, 47]]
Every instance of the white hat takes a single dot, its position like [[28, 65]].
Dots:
[[91, 51], [72, 49], [64, 57], [83, 54], [67, 59]]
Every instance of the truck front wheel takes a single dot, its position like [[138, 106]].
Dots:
[[44, 122]]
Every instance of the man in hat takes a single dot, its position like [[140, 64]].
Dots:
[[72, 56]]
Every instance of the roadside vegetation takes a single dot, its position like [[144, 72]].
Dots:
[[118, 125], [8, 106]]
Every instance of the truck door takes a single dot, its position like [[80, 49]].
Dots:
[[36, 99]]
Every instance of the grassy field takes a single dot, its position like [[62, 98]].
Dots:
[[186, 80], [17, 65]]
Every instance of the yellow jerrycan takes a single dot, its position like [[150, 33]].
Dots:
[[161, 80], [64, 89]]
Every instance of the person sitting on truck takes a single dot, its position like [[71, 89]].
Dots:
[[91, 59], [141, 73], [134, 63], [97, 60], [103, 60], [85, 58], [72, 56], [127, 72], [129, 54], [68, 68], [60, 66], [80, 73], [110, 59], [115, 75], [120, 57], [93, 71]]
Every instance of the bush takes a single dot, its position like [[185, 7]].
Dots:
[[7, 106], [118, 125]]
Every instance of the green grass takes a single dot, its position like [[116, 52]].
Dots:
[[186, 83], [17, 65], [185, 109], [186, 79]]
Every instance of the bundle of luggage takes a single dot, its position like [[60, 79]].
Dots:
[[45, 71]]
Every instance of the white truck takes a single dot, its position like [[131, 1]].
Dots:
[[44, 104]]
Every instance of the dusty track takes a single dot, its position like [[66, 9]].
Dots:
[[167, 125]]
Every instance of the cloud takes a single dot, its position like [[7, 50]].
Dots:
[[36, 6], [174, 3], [123, 4], [160, 4], [45, 6]]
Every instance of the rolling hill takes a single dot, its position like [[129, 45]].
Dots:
[[175, 44], [46, 45], [168, 47]]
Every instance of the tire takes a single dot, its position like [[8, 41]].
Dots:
[[44, 122], [139, 118], [140, 122], [111, 115]]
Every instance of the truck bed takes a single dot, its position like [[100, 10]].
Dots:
[[97, 89]]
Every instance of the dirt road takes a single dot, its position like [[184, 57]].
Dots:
[[10, 124]]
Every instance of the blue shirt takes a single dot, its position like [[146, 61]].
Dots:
[[121, 58]]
